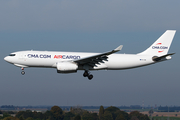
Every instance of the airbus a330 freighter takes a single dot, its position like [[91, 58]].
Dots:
[[70, 62]]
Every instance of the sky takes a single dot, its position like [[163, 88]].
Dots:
[[88, 26]]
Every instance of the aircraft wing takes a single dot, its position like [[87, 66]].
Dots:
[[97, 59]]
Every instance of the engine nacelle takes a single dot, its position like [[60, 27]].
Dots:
[[66, 67]]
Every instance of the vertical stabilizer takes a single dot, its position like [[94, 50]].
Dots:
[[161, 45]]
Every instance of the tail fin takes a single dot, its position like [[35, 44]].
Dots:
[[161, 45]]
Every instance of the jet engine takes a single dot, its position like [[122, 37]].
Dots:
[[67, 67]]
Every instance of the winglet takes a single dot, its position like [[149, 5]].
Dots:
[[118, 48]]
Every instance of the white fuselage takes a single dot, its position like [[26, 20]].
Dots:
[[69, 62], [50, 59]]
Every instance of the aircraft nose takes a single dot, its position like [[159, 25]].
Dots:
[[6, 59]]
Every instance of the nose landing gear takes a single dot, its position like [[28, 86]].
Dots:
[[88, 74], [22, 72]]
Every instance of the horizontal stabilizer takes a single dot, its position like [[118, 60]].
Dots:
[[164, 57]]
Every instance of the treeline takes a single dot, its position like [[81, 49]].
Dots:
[[131, 107], [170, 109], [76, 113], [11, 107], [114, 113]]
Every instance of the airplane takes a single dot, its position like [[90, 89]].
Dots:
[[71, 62]]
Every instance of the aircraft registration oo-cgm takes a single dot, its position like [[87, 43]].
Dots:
[[70, 62]]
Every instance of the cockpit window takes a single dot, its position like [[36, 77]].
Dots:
[[12, 55]]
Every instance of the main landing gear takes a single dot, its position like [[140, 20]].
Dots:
[[88, 74], [22, 72]]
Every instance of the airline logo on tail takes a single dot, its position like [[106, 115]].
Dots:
[[160, 51], [158, 46], [158, 43]]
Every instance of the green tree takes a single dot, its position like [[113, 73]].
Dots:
[[77, 117], [57, 113], [71, 109], [1, 112], [134, 118], [107, 116], [101, 112], [37, 115], [69, 116], [24, 114], [87, 116], [10, 112], [121, 115], [10, 118], [21, 118], [38, 119], [29, 118], [6, 115], [19, 114], [56, 110], [139, 115], [77, 110], [113, 110], [95, 116], [117, 114], [48, 115]]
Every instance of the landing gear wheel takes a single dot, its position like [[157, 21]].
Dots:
[[88, 74], [90, 77], [22, 72], [85, 74]]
